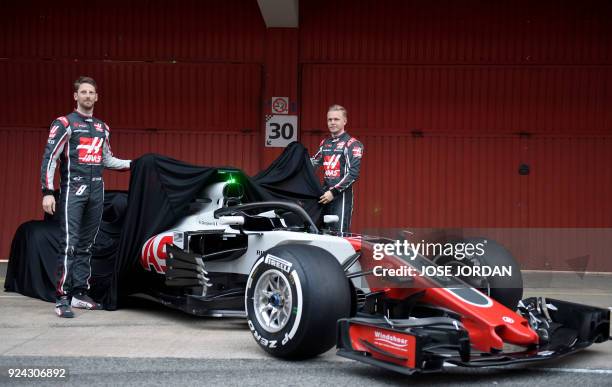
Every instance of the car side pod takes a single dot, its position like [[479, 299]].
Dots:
[[425, 344]]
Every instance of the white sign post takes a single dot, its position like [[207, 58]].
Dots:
[[281, 130]]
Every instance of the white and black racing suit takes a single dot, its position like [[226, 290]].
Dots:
[[82, 145], [341, 158]]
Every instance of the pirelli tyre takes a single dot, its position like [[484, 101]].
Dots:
[[507, 289], [295, 295]]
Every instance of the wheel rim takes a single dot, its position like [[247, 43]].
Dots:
[[272, 301]]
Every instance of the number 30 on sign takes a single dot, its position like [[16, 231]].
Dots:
[[280, 130]]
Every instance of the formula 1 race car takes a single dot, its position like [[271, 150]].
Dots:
[[216, 242], [303, 290]]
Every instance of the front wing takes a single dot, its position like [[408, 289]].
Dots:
[[424, 345]]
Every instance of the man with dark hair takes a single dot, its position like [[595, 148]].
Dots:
[[82, 79], [81, 143], [340, 155]]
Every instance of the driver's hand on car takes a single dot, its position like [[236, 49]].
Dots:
[[327, 197], [48, 204]]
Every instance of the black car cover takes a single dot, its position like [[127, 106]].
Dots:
[[32, 264], [160, 192]]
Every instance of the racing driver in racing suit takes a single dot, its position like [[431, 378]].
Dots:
[[81, 143], [340, 155]]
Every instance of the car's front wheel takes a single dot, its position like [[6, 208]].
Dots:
[[294, 297]]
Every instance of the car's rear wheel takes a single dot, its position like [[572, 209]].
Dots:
[[294, 297]]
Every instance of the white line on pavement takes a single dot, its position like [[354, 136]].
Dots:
[[575, 370], [578, 292], [567, 370]]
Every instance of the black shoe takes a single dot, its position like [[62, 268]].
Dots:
[[62, 307], [83, 301]]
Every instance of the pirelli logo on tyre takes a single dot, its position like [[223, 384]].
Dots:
[[279, 263]]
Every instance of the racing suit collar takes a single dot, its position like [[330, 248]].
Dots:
[[84, 116], [342, 136]]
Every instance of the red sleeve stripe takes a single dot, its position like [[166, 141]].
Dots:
[[53, 156]]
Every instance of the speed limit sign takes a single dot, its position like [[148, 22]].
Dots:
[[281, 130]]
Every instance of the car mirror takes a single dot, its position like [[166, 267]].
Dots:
[[231, 220], [327, 219]]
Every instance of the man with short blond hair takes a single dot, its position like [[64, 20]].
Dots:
[[340, 155], [81, 143], [338, 108]]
